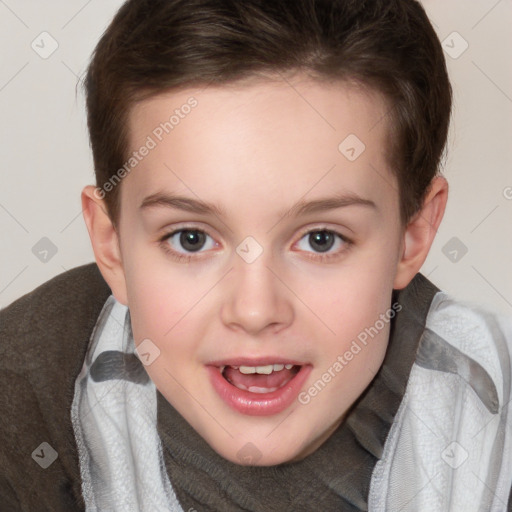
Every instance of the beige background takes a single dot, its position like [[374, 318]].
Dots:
[[45, 160]]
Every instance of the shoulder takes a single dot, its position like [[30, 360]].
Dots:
[[44, 336], [45, 309], [450, 447], [471, 342], [48, 325]]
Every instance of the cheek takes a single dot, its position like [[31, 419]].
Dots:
[[354, 306], [160, 312], [156, 297], [165, 307], [351, 297]]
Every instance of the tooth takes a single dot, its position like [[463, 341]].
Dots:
[[222, 369], [266, 370], [247, 369], [256, 389]]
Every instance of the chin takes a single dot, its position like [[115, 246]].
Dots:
[[250, 455]]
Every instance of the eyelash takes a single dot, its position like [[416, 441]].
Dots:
[[186, 258]]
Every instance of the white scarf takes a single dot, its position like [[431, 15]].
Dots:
[[447, 448], [114, 416]]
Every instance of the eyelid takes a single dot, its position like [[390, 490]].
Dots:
[[324, 227], [168, 231]]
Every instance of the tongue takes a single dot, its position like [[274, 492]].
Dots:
[[274, 380]]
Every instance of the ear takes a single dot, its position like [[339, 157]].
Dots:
[[105, 241], [420, 232]]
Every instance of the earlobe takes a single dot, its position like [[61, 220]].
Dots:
[[105, 242], [420, 233]]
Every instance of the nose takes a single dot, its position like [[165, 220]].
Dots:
[[257, 299]]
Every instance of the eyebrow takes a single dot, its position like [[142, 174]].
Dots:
[[300, 208]]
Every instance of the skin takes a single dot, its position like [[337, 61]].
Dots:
[[254, 150]]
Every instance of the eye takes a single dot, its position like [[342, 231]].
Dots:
[[322, 241], [182, 243], [189, 240]]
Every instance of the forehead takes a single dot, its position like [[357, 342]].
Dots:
[[273, 141]]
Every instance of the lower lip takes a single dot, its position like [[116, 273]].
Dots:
[[258, 404]]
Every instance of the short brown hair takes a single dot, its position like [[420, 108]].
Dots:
[[153, 46]]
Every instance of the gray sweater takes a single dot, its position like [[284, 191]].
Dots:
[[44, 339]]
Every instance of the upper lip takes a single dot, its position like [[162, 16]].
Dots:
[[255, 361]]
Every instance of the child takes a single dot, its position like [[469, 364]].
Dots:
[[254, 334]]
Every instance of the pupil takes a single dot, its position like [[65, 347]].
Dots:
[[321, 241], [192, 240]]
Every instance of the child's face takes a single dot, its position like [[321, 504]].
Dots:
[[255, 153]]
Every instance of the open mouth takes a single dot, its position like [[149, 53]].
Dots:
[[261, 389], [260, 379]]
